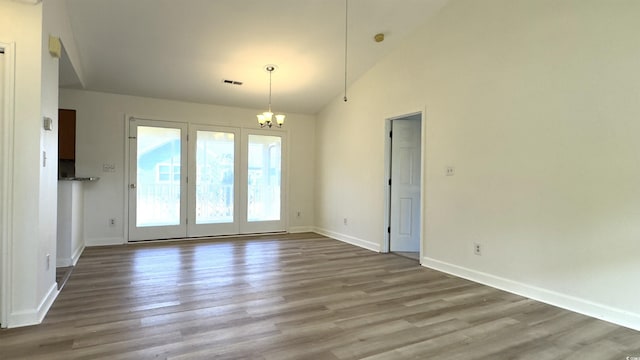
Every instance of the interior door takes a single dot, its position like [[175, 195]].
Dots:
[[157, 182], [263, 176], [213, 181], [405, 185]]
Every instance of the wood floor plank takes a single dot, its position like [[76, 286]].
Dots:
[[295, 296]]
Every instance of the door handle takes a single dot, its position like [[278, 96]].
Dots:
[[132, 186]]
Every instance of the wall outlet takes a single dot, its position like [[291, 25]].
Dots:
[[477, 249], [345, 221], [299, 213], [449, 171], [112, 222]]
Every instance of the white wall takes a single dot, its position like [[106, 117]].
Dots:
[[101, 140], [535, 102], [31, 284], [21, 24]]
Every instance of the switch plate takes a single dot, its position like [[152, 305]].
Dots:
[[47, 123], [108, 167]]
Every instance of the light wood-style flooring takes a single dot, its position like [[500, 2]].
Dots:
[[299, 296]]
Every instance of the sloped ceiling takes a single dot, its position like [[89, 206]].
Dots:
[[183, 49]]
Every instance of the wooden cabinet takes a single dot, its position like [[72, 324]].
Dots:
[[66, 134]]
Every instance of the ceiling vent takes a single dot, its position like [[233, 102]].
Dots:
[[232, 82]]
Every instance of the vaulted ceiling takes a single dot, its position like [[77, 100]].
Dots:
[[184, 49]]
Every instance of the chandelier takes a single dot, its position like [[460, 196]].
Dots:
[[266, 118]]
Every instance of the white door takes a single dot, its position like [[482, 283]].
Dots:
[[157, 182], [405, 185], [214, 176], [262, 195]]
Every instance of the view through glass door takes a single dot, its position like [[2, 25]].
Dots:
[[214, 172], [157, 184], [222, 181]]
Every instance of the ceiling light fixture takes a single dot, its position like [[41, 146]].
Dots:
[[265, 119]]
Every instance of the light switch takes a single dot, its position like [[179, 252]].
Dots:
[[47, 123]]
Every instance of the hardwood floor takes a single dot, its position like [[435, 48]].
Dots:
[[300, 296]]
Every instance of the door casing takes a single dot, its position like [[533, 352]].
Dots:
[[6, 183]]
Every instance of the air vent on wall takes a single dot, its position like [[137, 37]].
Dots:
[[232, 82]]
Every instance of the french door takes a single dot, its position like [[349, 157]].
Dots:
[[199, 180]]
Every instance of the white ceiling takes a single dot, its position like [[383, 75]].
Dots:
[[183, 49]]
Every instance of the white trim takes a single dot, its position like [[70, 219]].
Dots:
[[104, 241], [572, 303], [6, 182], [76, 255], [369, 245], [34, 317], [72, 261], [301, 229]]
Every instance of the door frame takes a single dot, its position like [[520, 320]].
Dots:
[[193, 229], [285, 167], [386, 245], [7, 121], [184, 160], [245, 226]]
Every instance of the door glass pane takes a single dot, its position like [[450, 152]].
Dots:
[[264, 178], [158, 176], [214, 177]]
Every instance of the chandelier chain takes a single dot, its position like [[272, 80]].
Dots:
[[346, 33]]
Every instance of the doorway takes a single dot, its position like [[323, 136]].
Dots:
[[189, 180], [404, 192]]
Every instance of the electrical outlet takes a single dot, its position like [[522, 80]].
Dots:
[[345, 221], [299, 213], [112, 222], [477, 249], [450, 171]]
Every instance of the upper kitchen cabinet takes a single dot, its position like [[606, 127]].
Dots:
[[67, 134]]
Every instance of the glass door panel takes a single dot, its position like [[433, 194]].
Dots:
[[264, 178], [157, 202], [263, 182], [213, 195]]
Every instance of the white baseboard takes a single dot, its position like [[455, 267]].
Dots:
[[301, 229], [34, 316], [582, 306], [104, 241], [369, 245], [64, 262], [76, 255]]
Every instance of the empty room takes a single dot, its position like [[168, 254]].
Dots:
[[319, 179]]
